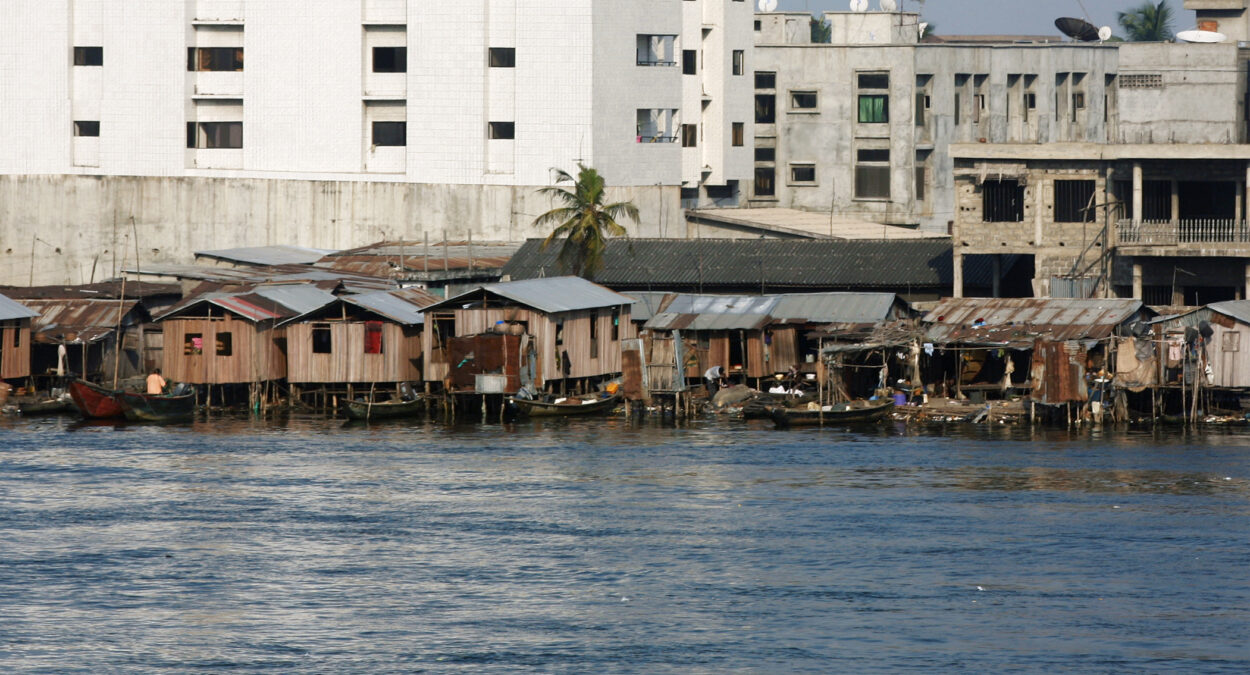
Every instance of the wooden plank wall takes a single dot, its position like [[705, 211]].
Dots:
[[347, 360], [254, 355], [784, 351], [15, 360]]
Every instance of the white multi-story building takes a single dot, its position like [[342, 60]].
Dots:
[[331, 123]]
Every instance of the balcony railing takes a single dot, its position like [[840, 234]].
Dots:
[[654, 61], [1178, 232], [652, 138]]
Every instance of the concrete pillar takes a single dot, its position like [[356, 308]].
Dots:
[[1247, 293], [1176, 200], [1237, 201], [1137, 189], [957, 280], [996, 264], [1137, 281]]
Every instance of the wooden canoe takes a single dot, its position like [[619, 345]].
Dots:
[[157, 407], [573, 405], [94, 401], [48, 406], [363, 410], [851, 412]]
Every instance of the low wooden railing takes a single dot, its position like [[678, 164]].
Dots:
[[1177, 232]]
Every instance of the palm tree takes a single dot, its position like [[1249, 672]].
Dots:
[[1147, 22], [822, 30], [583, 221]]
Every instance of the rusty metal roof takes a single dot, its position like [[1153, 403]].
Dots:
[[258, 303], [101, 289], [685, 311], [78, 320], [1019, 321], [10, 309], [408, 258], [267, 255]]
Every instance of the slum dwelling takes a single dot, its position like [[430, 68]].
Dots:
[[15, 321]]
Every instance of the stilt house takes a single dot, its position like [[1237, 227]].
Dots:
[[14, 339]]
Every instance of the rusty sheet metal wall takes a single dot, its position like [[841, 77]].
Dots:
[[633, 384], [492, 354], [15, 349], [1058, 372], [254, 355], [347, 360]]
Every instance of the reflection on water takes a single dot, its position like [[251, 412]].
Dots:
[[305, 545]]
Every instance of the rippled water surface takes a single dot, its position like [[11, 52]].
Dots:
[[606, 546]]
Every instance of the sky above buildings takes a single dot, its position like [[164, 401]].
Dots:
[[1016, 17]]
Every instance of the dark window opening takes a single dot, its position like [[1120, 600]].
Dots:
[[803, 100], [873, 155], [85, 128], [872, 182], [560, 333], [1074, 200], [689, 135], [390, 133], [874, 108], [689, 62], [192, 344], [373, 337], [214, 59], [739, 62], [503, 57], [1002, 201], [502, 131], [390, 59], [765, 109], [874, 80], [321, 341], [802, 173], [765, 182], [739, 134], [225, 344], [765, 79], [766, 154], [616, 324], [88, 56], [215, 135], [920, 183], [594, 335], [1206, 200]]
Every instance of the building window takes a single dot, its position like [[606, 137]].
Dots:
[[373, 337], [1002, 201], [594, 335], [225, 344], [765, 109], [739, 134], [803, 100], [872, 173], [766, 154], [740, 62], [321, 341], [390, 59], [192, 344], [86, 128], [765, 79], [765, 182], [874, 108], [873, 80], [689, 135], [920, 177], [214, 59], [502, 57], [923, 102], [657, 125], [1078, 103], [1073, 201], [689, 62], [88, 56], [215, 135], [390, 134], [803, 173], [656, 50], [616, 324], [501, 131]]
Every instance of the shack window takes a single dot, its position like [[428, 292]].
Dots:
[[225, 344], [321, 339], [192, 344], [17, 335], [1073, 199], [1002, 201], [560, 333], [373, 337], [616, 324], [594, 335]]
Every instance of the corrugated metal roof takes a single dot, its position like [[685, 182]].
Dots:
[[97, 290], [551, 295], [835, 307], [404, 307], [78, 319], [731, 321], [675, 264], [261, 275], [1237, 309], [11, 309], [259, 303], [1018, 321], [268, 255], [646, 304], [712, 312]]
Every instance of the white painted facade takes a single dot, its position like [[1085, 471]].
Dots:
[[309, 94]]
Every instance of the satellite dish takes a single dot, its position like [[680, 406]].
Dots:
[[922, 27], [889, 6], [1104, 33], [767, 5], [1201, 36], [1077, 29], [859, 5]]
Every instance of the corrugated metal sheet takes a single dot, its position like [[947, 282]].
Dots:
[[98, 290], [729, 321], [11, 309], [1058, 372], [1237, 309], [761, 263], [261, 275], [1019, 321], [835, 307], [267, 255], [728, 312], [646, 304], [259, 303], [78, 319], [403, 307], [550, 295], [297, 298]]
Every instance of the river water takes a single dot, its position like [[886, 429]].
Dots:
[[592, 546]]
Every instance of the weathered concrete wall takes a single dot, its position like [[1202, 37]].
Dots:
[[78, 228]]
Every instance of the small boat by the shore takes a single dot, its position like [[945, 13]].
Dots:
[[47, 406], [850, 412], [94, 401], [590, 404], [157, 407], [394, 408]]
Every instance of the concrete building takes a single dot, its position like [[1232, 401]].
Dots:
[[204, 124]]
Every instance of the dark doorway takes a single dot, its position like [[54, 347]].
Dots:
[[1214, 200]]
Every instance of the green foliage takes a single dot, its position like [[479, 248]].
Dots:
[[822, 31], [582, 220], [1147, 22]]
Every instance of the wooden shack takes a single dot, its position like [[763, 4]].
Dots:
[[535, 333], [15, 321], [359, 339]]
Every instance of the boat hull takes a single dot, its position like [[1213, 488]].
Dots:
[[362, 410], [531, 408], [154, 408], [50, 407], [854, 412], [94, 401]]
